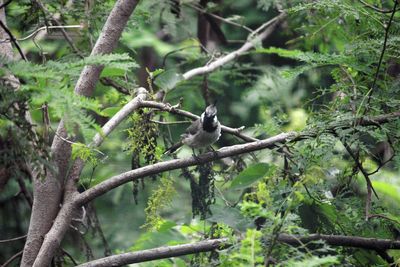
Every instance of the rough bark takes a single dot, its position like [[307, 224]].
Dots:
[[48, 191]]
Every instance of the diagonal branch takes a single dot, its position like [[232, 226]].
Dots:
[[119, 117], [149, 170], [13, 40], [271, 25]]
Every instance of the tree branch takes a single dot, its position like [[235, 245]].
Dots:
[[48, 191], [13, 40], [387, 28], [149, 170], [271, 25], [158, 253], [229, 151], [222, 243], [342, 240], [15, 256], [173, 110], [12, 239], [119, 117]]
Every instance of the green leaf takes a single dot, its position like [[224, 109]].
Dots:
[[110, 111], [250, 175], [112, 72], [168, 79], [229, 216]]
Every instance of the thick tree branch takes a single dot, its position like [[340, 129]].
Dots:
[[271, 142], [120, 116], [222, 243], [159, 253], [271, 25], [48, 191], [149, 170]]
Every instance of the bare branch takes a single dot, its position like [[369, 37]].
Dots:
[[222, 243], [119, 117], [342, 240], [158, 253], [231, 56], [227, 21], [156, 168], [173, 110], [13, 239], [114, 84], [46, 29], [13, 40], [149, 170], [55, 18], [15, 256]]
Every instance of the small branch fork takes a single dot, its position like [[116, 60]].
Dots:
[[223, 243]]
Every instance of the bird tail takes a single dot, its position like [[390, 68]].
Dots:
[[173, 148]]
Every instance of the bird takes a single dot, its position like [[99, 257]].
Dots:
[[203, 132]]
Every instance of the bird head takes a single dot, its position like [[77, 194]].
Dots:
[[211, 111]]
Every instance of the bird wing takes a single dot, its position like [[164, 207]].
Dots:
[[194, 127]]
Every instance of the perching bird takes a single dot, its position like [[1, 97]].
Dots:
[[203, 132]]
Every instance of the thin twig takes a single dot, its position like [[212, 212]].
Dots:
[[15, 256], [381, 56], [49, 27], [69, 256], [13, 40], [388, 160], [175, 51], [375, 8], [13, 239], [220, 18], [370, 188], [169, 122], [64, 33], [109, 82]]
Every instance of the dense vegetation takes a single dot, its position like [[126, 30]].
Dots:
[[319, 84]]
